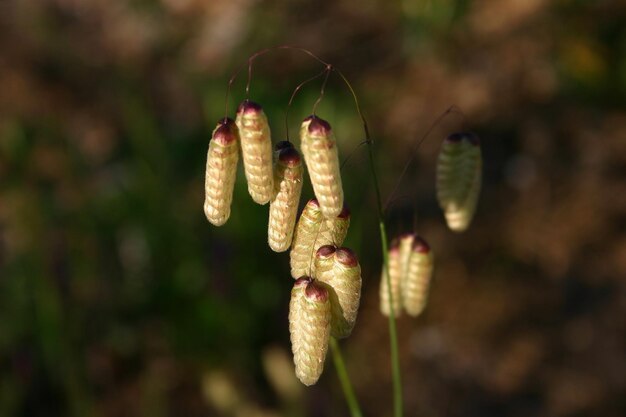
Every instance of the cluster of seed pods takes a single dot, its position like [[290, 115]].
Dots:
[[322, 306], [327, 291], [410, 271]]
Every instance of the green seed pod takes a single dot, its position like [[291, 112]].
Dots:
[[221, 171], [309, 327], [304, 238], [335, 230], [344, 286], [256, 148], [417, 281], [459, 175], [322, 160], [395, 275], [284, 206]]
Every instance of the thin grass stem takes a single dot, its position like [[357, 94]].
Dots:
[[344, 379]]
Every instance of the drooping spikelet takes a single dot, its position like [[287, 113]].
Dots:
[[395, 274], [304, 238], [221, 171], [417, 280], [309, 327], [284, 205], [322, 160], [406, 248], [459, 175], [334, 230], [343, 278], [256, 148]]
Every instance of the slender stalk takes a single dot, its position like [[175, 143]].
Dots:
[[393, 337], [346, 386]]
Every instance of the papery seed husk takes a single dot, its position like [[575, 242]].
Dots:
[[256, 149], [417, 282], [284, 205], [344, 286], [309, 326], [459, 177], [334, 230], [221, 171], [405, 247], [322, 160], [301, 256], [395, 274]]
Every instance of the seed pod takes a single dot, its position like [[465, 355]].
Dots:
[[221, 171], [304, 238], [416, 283], [344, 286], [256, 148], [405, 248], [395, 274], [334, 230], [309, 326], [284, 206], [322, 160], [459, 169]]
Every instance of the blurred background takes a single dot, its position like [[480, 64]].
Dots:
[[118, 298]]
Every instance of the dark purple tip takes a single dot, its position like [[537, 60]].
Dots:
[[313, 202], [455, 137], [226, 131], [345, 212], [249, 106], [346, 257], [283, 144], [407, 235], [302, 281], [316, 292], [420, 245], [395, 244], [318, 126], [325, 251], [289, 157]]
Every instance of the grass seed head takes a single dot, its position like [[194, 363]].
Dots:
[[459, 177], [288, 172], [343, 279], [415, 286], [395, 275], [256, 149], [304, 238], [221, 171], [309, 326], [322, 160]]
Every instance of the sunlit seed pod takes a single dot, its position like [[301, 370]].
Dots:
[[256, 149], [344, 286], [309, 327], [334, 230], [322, 160], [417, 281], [221, 171], [284, 205], [304, 238], [459, 176], [405, 247], [395, 274]]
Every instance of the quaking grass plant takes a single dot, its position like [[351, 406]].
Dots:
[[326, 293]]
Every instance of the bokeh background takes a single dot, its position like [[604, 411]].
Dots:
[[117, 298]]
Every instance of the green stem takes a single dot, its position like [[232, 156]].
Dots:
[[348, 392], [393, 337]]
